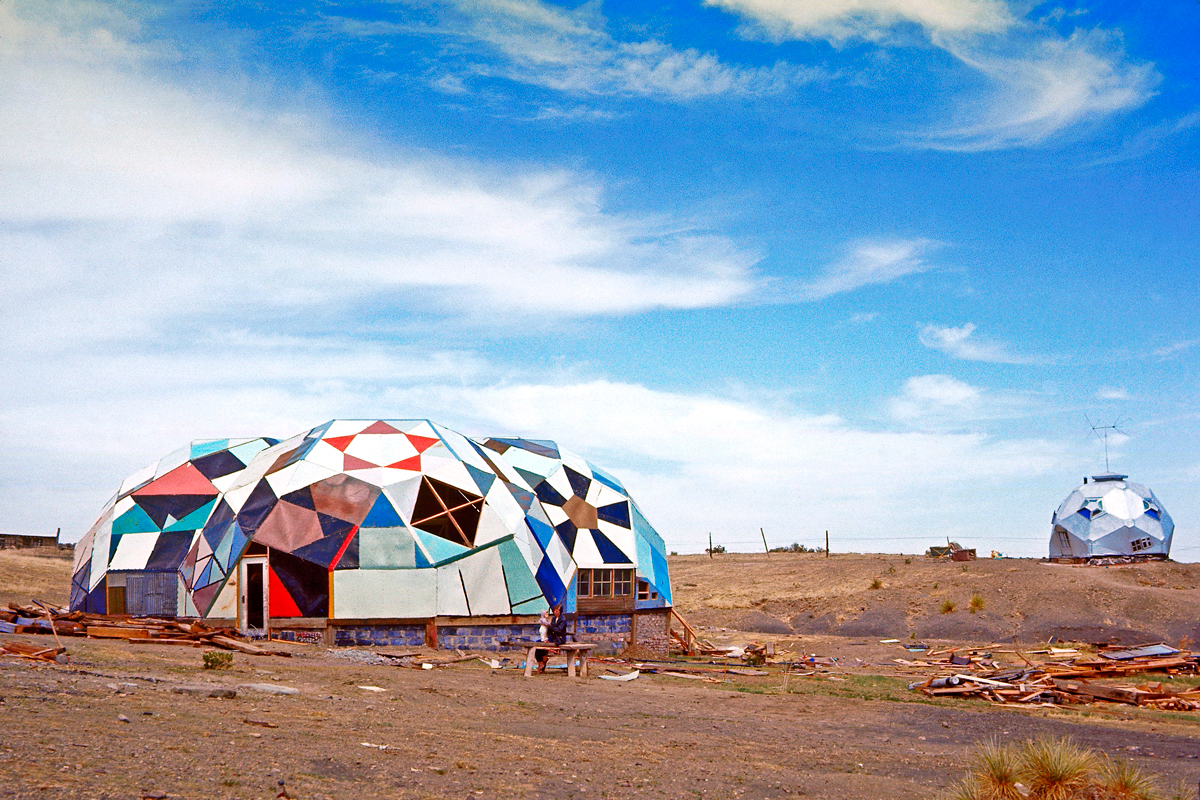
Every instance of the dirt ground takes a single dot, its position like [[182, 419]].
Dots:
[[1023, 600], [109, 725]]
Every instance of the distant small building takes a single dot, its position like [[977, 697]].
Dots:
[[1110, 516], [28, 540]]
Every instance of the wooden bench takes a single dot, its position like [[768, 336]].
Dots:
[[574, 651]]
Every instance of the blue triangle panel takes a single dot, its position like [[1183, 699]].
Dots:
[[606, 479], [483, 480], [218, 465], [579, 483], [616, 513], [332, 526], [609, 551], [349, 559], [548, 494], [551, 585], [97, 601], [662, 581], [524, 499], [532, 478], [257, 506], [566, 531], [420, 560], [541, 448], [541, 531], [382, 515], [301, 497], [322, 551]]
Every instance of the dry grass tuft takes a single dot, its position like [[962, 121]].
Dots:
[[1055, 769], [947, 606]]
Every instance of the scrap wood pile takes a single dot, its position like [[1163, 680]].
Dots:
[[34, 652], [1065, 679], [49, 619]]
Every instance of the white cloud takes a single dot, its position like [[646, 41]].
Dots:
[[869, 263], [961, 343], [1038, 83], [1040, 89], [1112, 393], [129, 200], [871, 20], [929, 396], [1175, 348], [572, 51], [695, 461]]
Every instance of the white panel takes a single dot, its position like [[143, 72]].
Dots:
[[368, 447], [99, 555], [138, 478], [483, 574], [1116, 504], [575, 462], [491, 527], [585, 553], [385, 593], [449, 470], [281, 481], [561, 484], [175, 459], [326, 455], [530, 462], [451, 601], [393, 448], [237, 497], [560, 558], [555, 514], [506, 506], [226, 605], [133, 551], [403, 496], [308, 473]]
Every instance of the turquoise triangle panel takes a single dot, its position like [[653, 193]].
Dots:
[[135, 520], [521, 583], [438, 548], [195, 520], [204, 448]]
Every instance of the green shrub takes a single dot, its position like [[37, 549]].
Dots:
[[217, 659], [947, 606]]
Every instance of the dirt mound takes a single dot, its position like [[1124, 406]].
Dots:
[[911, 597]]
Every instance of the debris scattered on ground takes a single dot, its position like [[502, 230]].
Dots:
[[1066, 677], [46, 618]]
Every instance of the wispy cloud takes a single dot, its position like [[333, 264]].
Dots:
[[1150, 139], [572, 51], [132, 200], [962, 343], [869, 263], [839, 21], [1038, 83], [1175, 348], [1112, 393]]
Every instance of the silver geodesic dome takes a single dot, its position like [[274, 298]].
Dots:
[[1111, 516]]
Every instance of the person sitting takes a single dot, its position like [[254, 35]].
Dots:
[[556, 633]]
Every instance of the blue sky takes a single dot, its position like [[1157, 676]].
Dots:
[[865, 266]]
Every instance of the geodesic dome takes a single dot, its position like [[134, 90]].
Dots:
[[1111, 516], [405, 519]]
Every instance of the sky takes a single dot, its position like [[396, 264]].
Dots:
[[871, 267]]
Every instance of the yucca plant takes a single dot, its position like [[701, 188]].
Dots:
[[1056, 769], [1122, 779]]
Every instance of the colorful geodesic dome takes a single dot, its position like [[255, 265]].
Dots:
[[363, 519], [1110, 516], [148, 526]]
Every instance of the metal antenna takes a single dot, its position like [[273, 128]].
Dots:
[[1096, 431]]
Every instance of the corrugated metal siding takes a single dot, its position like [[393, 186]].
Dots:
[[151, 593]]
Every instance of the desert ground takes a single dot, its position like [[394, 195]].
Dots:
[[128, 721]]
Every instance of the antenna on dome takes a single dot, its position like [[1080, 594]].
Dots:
[[1101, 432]]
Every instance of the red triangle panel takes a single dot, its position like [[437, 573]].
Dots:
[[350, 462], [413, 463], [380, 427], [185, 479], [341, 442], [422, 443], [280, 603]]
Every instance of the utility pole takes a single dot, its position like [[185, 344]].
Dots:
[[827, 544], [710, 545], [764, 535]]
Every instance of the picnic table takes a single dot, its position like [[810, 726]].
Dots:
[[574, 651]]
